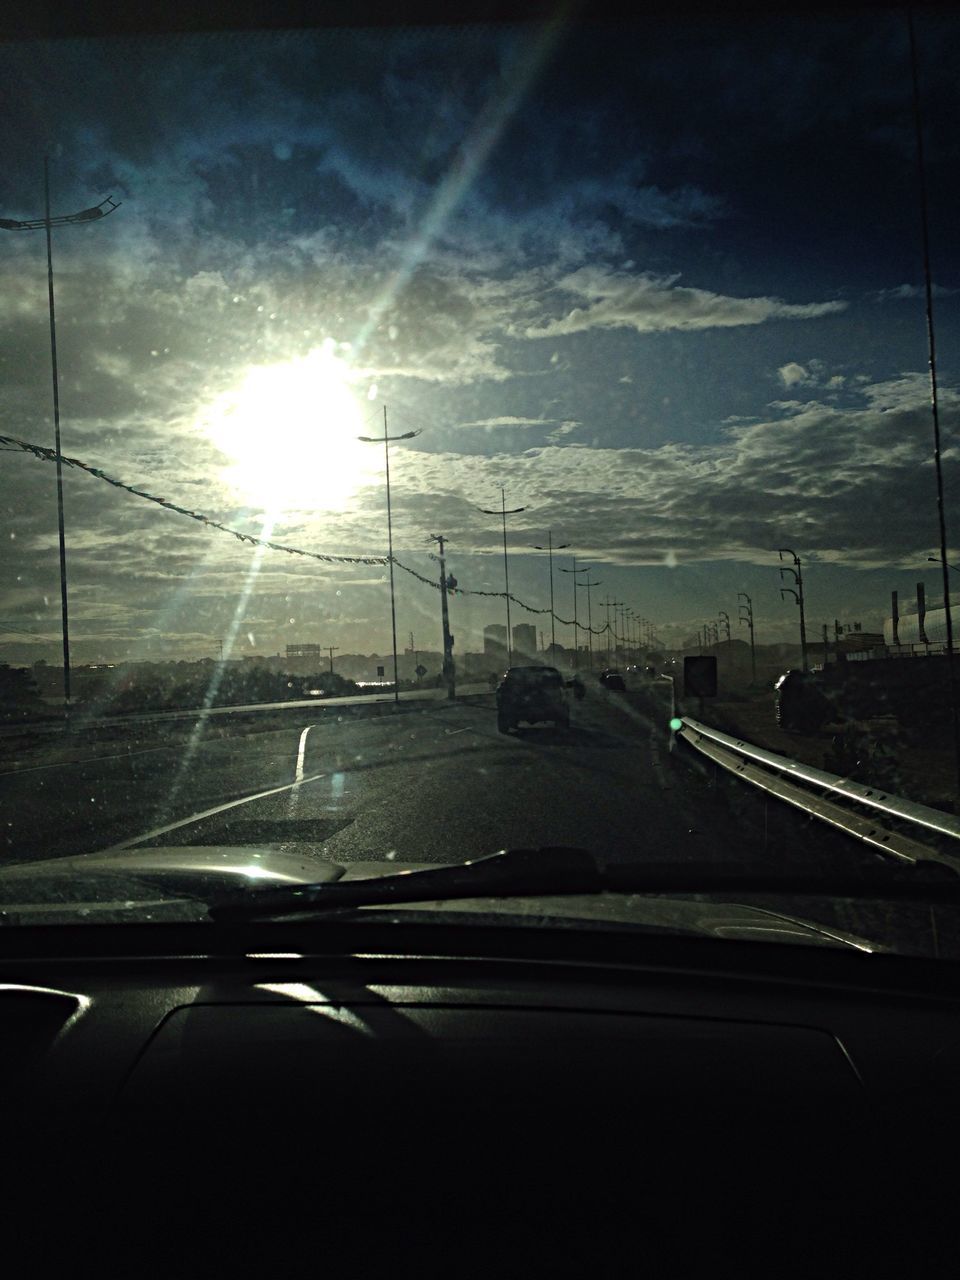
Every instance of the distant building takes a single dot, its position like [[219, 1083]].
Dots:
[[311, 651], [525, 639], [495, 641]]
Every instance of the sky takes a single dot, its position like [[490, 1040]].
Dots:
[[664, 285]]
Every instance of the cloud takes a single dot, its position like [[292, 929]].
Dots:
[[793, 374], [854, 486], [492, 423], [650, 303], [905, 292], [565, 429], [812, 374]]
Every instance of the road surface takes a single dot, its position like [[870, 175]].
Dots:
[[437, 783]]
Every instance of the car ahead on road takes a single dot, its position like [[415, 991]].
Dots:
[[612, 680], [532, 694]]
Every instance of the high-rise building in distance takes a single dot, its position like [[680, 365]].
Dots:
[[525, 640], [495, 640]]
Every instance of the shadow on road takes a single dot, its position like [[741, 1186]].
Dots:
[[577, 735]]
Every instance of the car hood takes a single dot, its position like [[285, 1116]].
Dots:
[[175, 884]]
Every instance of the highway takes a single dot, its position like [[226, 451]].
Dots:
[[430, 782]]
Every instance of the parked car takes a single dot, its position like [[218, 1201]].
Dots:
[[532, 694]]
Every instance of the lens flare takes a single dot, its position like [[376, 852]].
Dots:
[[290, 433]]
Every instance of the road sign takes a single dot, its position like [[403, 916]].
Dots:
[[380, 672], [421, 670], [700, 676]]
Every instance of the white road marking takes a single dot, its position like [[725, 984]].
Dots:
[[298, 774], [208, 813]]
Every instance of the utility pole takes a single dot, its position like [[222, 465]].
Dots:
[[797, 592], [331, 649], [46, 223], [576, 625], [747, 617], [726, 622], [446, 584], [503, 512], [588, 584]]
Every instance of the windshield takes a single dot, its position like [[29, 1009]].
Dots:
[[347, 369]]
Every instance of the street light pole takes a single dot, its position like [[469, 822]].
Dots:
[[387, 441], [503, 513], [748, 619], [553, 617], [576, 625], [797, 593], [101, 210], [588, 584], [936, 560]]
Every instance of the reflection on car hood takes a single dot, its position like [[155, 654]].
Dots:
[[173, 883]]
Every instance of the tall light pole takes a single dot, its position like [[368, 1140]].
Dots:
[[100, 210], [797, 592], [746, 615], [611, 629], [503, 512], [588, 584], [562, 546], [387, 441], [576, 625], [936, 560], [726, 622]]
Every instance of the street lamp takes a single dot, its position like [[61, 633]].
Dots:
[[387, 441], [98, 211], [562, 546], [503, 512], [746, 616], [937, 560], [797, 592], [588, 584], [576, 624]]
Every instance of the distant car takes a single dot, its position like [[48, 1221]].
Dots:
[[532, 694], [612, 680]]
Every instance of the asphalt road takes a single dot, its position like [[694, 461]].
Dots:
[[434, 783]]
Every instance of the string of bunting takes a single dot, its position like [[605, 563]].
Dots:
[[501, 595], [13, 443], [50, 455]]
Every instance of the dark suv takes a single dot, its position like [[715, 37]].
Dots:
[[531, 694]]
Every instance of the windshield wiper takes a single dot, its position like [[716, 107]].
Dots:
[[557, 870]]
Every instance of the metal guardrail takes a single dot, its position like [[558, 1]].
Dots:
[[799, 784]]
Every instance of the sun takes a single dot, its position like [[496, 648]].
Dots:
[[290, 431]]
